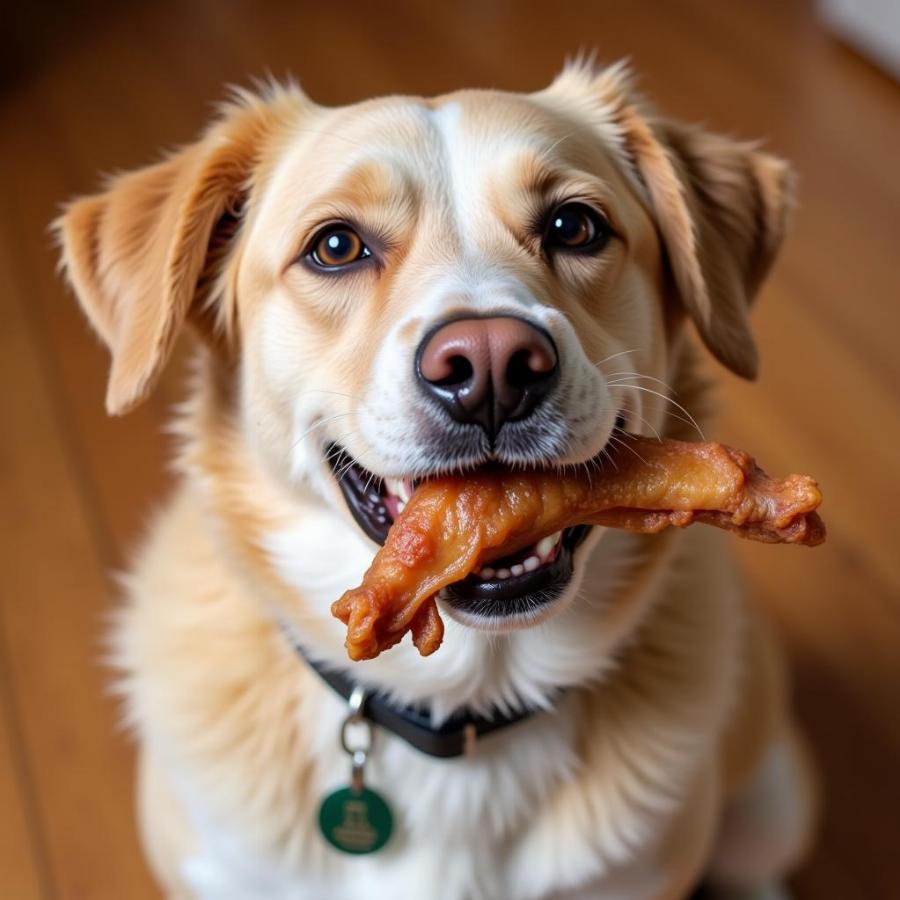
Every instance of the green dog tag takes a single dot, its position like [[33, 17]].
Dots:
[[355, 821]]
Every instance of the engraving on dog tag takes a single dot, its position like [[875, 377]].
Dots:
[[355, 820]]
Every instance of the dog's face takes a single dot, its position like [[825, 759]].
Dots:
[[385, 222], [428, 286], [415, 286]]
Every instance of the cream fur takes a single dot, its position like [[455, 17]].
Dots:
[[662, 698], [573, 797]]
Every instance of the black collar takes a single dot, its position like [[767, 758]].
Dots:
[[454, 737]]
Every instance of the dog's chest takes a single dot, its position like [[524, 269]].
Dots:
[[545, 807], [463, 829]]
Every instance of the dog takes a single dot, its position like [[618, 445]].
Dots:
[[384, 292]]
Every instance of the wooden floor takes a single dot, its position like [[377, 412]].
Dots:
[[77, 488]]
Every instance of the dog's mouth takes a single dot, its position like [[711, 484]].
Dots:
[[516, 586]]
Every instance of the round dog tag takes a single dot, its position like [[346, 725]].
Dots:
[[355, 821]]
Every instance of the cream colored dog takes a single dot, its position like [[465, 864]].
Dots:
[[320, 254]]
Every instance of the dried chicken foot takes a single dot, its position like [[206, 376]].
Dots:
[[453, 526]]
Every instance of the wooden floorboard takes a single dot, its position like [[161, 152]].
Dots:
[[78, 488], [24, 872], [54, 596]]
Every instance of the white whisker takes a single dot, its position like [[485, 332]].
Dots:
[[620, 443], [620, 379], [648, 424], [614, 356], [691, 420], [608, 456], [333, 454], [319, 424], [334, 393]]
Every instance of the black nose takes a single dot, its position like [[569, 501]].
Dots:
[[488, 371]]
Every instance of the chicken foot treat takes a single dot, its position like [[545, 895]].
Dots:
[[455, 525]]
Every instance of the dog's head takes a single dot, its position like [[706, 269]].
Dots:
[[406, 286]]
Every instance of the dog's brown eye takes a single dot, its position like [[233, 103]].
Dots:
[[338, 246], [576, 226]]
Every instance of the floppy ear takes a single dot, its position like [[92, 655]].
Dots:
[[721, 208], [720, 205], [156, 240]]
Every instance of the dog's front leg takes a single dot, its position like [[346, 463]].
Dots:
[[766, 826], [671, 869]]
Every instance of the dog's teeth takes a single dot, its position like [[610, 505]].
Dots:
[[400, 488], [486, 573], [397, 488], [517, 569], [545, 546], [531, 564], [400, 507], [503, 574]]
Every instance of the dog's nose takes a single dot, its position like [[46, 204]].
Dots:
[[488, 371]]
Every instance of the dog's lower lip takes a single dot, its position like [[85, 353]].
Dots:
[[521, 594]]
